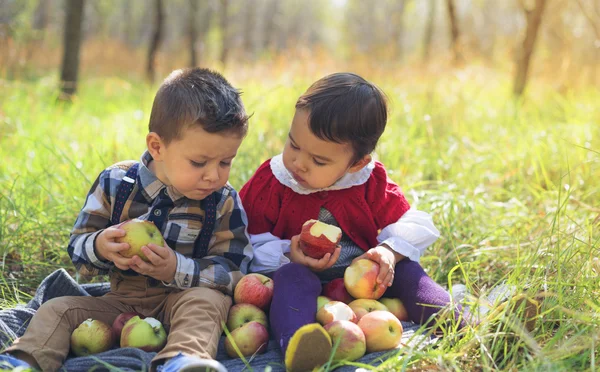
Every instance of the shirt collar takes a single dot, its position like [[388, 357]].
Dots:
[[347, 181], [150, 184]]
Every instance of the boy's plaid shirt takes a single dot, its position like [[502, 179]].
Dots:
[[229, 251]]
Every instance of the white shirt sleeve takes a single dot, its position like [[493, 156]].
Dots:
[[411, 235], [269, 252]]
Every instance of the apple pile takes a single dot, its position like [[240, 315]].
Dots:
[[318, 238], [247, 321], [128, 329]]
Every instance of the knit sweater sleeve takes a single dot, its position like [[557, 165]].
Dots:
[[261, 198], [384, 198]]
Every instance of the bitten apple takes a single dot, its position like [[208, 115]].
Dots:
[[139, 234], [91, 337], [240, 314], [322, 300], [336, 290], [383, 331], [352, 343], [255, 289], [335, 310], [250, 338], [362, 307], [396, 307], [318, 238], [119, 323], [360, 279], [147, 334]]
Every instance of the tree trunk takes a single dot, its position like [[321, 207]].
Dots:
[[40, 15], [249, 28], [193, 32], [127, 23], [429, 30], [224, 32], [398, 27], [454, 31], [270, 17], [72, 42], [156, 39], [534, 19]]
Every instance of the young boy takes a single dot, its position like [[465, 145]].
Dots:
[[197, 124]]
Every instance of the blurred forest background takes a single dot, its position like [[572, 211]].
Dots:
[[146, 39]]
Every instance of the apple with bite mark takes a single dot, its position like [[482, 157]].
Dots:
[[318, 238], [255, 289], [139, 233], [321, 301], [91, 337], [119, 323], [383, 331], [360, 279], [336, 290], [396, 307], [352, 343], [240, 314], [363, 306], [335, 310], [250, 338], [147, 334]]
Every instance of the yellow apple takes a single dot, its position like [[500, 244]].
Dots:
[[383, 331], [396, 307], [363, 306], [139, 234]]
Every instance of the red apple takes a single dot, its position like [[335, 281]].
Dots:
[[255, 289], [352, 343], [363, 306], [240, 314], [322, 300], [119, 323], [360, 279], [382, 330], [396, 307], [335, 310], [250, 338], [336, 290], [318, 238]]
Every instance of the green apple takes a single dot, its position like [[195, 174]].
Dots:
[[241, 314], [139, 234], [350, 340], [91, 337], [250, 338], [321, 301], [363, 306], [147, 334]]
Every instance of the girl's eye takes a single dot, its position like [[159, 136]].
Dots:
[[318, 163], [294, 146], [197, 165]]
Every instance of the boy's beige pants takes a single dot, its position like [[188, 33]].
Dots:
[[192, 318]]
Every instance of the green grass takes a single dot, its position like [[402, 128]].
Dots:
[[514, 187]]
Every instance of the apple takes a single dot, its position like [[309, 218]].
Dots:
[[139, 234], [119, 323], [363, 306], [255, 289], [383, 331], [336, 290], [360, 279], [319, 238], [147, 334], [352, 343], [91, 337], [335, 310], [241, 314], [322, 300], [396, 307], [250, 338]]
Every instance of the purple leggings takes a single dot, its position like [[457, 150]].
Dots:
[[297, 288]]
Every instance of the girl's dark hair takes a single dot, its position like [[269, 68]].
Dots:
[[345, 108], [197, 97]]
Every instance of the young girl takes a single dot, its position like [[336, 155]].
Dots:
[[326, 172]]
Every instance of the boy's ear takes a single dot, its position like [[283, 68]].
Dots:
[[360, 164], [155, 145]]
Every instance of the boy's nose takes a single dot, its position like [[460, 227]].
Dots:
[[211, 175]]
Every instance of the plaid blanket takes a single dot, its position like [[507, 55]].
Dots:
[[13, 323]]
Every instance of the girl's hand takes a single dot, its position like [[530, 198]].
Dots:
[[387, 259], [298, 256], [162, 262]]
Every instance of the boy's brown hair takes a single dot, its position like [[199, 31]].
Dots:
[[197, 97]]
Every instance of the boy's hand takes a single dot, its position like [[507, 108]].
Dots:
[[298, 256], [387, 259], [108, 249], [162, 262]]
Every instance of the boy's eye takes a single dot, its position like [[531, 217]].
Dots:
[[225, 163], [318, 163], [197, 165]]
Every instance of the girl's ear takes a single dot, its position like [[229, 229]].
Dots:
[[360, 164], [155, 146]]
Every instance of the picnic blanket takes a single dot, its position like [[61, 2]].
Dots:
[[14, 321]]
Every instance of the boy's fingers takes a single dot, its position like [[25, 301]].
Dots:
[[159, 251], [115, 233], [151, 255]]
